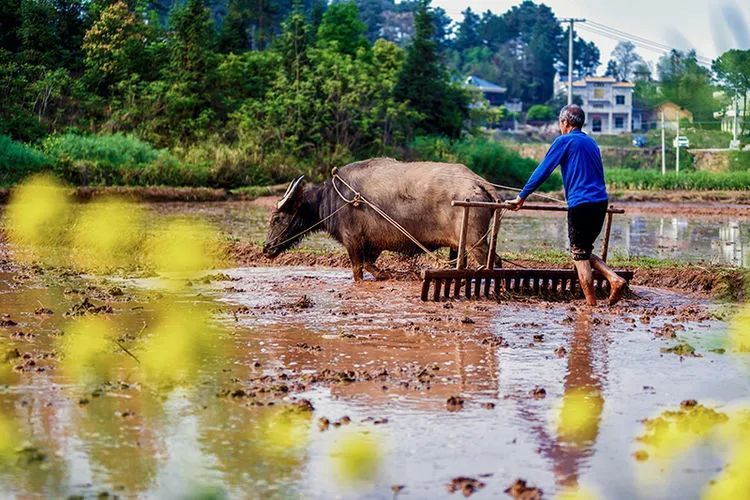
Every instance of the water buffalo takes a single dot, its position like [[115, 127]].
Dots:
[[418, 195]]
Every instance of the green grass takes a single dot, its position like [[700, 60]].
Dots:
[[621, 178], [18, 160]]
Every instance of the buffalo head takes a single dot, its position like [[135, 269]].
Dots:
[[286, 222]]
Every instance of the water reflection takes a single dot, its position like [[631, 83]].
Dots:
[[718, 241]]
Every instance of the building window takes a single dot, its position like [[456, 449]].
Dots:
[[620, 99], [598, 93], [596, 125], [619, 122]]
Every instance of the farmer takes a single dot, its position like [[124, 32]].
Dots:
[[583, 178]]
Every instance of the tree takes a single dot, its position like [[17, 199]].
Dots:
[[423, 82], [115, 46], [540, 113], [494, 31], [341, 25], [687, 83], [468, 35], [626, 60], [535, 42], [732, 71], [190, 71], [236, 27], [612, 69], [585, 56], [371, 13]]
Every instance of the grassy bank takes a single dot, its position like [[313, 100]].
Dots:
[[627, 179]]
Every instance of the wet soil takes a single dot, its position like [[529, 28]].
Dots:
[[460, 396]]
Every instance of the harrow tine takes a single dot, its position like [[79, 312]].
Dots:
[[487, 283], [477, 287], [457, 287], [447, 289], [426, 289], [436, 294], [467, 292]]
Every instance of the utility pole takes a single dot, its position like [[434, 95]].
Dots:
[[572, 22], [677, 140], [663, 148]]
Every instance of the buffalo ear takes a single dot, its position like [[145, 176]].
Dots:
[[293, 192]]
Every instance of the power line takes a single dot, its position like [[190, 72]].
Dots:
[[622, 36]]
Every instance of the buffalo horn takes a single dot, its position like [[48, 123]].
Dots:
[[290, 191]]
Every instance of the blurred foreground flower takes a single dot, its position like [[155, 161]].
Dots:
[[181, 342], [89, 349], [739, 331], [674, 432], [108, 235], [579, 416], [578, 493], [734, 480], [10, 439], [38, 219], [184, 248], [356, 457], [284, 430]]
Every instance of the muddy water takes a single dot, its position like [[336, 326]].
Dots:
[[718, 238], [373, 353]]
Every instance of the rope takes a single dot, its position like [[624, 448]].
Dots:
[[358, 198], [309, 228]]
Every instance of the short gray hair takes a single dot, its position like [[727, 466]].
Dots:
[[573, 115]]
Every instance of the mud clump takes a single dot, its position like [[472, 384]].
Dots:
[[44, 311], [538, 393], [682, 349], [454, 403], [5, 320], [520, 490], [466, 485], [88, 307], [641, 455]]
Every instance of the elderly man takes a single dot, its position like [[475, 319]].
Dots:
[[583, 178]]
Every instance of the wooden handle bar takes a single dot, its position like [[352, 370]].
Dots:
[[527, 206]]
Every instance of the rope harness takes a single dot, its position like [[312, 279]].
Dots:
[[358, 199]]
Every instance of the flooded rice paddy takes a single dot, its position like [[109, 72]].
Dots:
[[644, 231], [305, 385]]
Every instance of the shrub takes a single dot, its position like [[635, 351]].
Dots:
[[540, 113], [118, 160], [17, 160]]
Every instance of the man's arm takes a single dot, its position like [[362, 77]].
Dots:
[[550, 162]]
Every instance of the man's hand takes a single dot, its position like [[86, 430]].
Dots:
[[517, 203]]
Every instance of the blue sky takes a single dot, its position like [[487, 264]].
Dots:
[[708, 26]]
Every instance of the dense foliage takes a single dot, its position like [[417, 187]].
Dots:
[[263, 84]]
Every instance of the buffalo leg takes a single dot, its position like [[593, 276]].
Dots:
[[371, 256], [357, 258]]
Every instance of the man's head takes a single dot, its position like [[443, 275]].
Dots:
[[571, 117]]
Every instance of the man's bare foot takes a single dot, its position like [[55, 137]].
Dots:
[[618, 289]]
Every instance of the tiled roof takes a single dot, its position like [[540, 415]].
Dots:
[[484, 85]]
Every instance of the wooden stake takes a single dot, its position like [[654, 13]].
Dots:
[[493, 240], [460, 264], [607, 232]]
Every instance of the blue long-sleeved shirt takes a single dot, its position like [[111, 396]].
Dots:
[[581, 165]]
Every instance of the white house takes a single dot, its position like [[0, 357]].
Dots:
[[608, 103]]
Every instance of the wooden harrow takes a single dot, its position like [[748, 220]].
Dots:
[[494, 282]]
